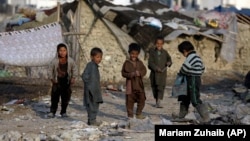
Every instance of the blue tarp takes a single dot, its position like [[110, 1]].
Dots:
[[243, 11]]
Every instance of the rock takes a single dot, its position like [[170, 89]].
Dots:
[[214, 116], [114, 124], [241, 110], [78, 125], [247, 97], [246, 120], [13, 135], [240, 90], [191, 116], [166, 122], [121, 88], [140, 125], [31, 137], [55, 138]]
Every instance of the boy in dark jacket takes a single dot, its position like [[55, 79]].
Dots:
[[159, 60], [192, 68], [92, 87], [134, 70]]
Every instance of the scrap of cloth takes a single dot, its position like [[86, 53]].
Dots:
[[30, 47]]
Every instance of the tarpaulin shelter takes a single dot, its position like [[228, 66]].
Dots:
[[174, 24]]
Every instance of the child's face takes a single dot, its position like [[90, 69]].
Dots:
[[185, 53], [159, 44], [62, 52], [97, 58], [133, 55]]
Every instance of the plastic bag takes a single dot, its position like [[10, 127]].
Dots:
[[154, 22], [180, 86]]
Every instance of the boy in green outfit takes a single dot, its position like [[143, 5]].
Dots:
[[159, 60]]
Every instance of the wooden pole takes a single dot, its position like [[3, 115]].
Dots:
[[212, 37], [58, 11], [77, 45], [73, 33], [245, 19]]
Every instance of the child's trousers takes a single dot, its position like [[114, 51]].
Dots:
[[137, 97], [92, 110], [60, 91], [158, 91]]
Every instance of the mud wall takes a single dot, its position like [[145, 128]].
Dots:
[[98, 35], [114, 57]]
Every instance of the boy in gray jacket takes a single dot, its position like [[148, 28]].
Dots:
[[62, 73], [92, 88]]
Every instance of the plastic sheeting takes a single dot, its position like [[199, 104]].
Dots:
[[229, 45], [30, 47], [228, 28]]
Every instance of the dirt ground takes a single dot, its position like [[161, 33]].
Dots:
[[25, 119]]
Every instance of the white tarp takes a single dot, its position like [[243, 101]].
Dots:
[[30, 47]]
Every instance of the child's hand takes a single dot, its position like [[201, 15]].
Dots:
[[158, 69], [137, 73], [168, 64], [53, 81], [132, 74]]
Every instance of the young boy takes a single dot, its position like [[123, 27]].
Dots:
[[192, 68], [63, 72], [159, 60], [134, 70], [92, 87]]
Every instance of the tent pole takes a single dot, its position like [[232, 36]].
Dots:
[[59, 11]]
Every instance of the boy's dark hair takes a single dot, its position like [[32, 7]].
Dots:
[[134, 46], [185, 45], [94, 51], [61, 45], [159, 38]]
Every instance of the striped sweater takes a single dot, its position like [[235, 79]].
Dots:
[[193, 65]]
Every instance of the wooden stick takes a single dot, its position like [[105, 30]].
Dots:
[[73, 33], [59, 11], [209, 36], [241, 21], [78, 22], [244, 18]]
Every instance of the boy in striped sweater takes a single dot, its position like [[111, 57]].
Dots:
[[192, 68]]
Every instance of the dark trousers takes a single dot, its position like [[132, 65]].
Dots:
[[158, 91], [60, 91], [92, 110], [137, 97], [193, 94]]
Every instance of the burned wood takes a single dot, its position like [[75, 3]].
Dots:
[[244, 18], [210, 36]]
